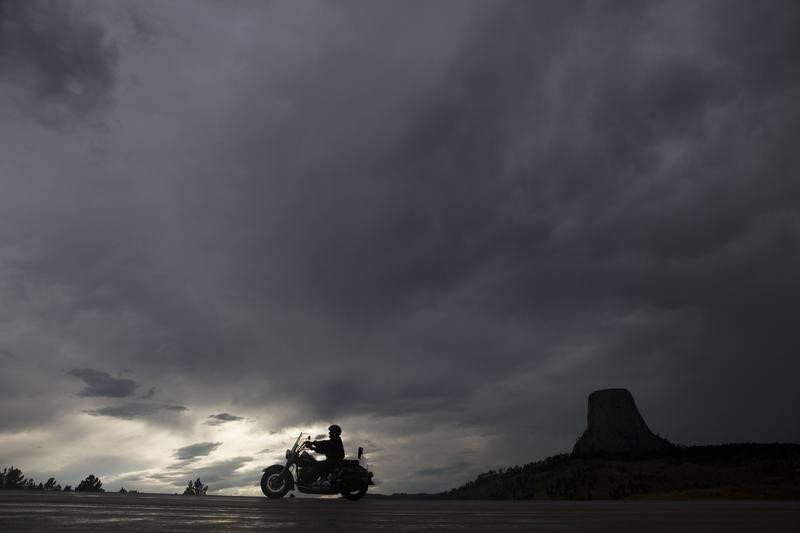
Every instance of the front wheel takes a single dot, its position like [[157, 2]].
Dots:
[[354, 489], [273, 484]]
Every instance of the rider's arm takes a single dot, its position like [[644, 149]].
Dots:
[[320, 445]]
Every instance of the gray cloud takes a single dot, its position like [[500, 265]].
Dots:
[[458, 466], [196, 450], [10, 355], [222, 418], [220, 472], [132, 410], [218, 475], [102, 384], [75, 470], [60, 56], [228, 474], [149, 394]]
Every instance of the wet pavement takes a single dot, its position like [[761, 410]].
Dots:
[[56, 511]]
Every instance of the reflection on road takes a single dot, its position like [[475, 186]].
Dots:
[[39, 511]]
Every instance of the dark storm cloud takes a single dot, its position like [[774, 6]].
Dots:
[[130, 411], [430, 214], [196, 450], [149, 394], [59, 54], [568, 181], [102, 384], [10, 355], [222, 418], [143, 22], [609, 177]]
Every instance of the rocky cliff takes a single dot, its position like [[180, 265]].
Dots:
[[615, 427]]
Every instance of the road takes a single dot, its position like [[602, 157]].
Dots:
[[56, 511]]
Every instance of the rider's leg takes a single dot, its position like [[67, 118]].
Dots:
[[315, 471], [310, 473], [322, 468]]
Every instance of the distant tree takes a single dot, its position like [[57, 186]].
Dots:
[[12, 478], [51, 484], [30, 485], [90, 484], [196, 488], [123, 491], [68, 488]]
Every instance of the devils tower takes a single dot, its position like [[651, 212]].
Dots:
[[615, 426]]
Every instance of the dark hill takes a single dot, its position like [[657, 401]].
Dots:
[[619, 457], [729, 471]]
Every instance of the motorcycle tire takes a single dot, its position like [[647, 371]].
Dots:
[[273, 485], [354, 489]]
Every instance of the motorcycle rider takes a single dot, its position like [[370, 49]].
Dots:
[[333, 450]]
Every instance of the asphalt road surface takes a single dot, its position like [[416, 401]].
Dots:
[[55, 511]]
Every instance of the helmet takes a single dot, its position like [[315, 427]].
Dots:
[[335, 430]]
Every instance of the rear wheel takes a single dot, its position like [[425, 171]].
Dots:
[[275, 483], [354, 489]]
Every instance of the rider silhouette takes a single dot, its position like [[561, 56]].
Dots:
[[333, 450]]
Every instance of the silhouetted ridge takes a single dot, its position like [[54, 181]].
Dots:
[[728, 471], [615, 426], [619, 457]]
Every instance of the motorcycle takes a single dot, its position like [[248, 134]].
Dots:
[[349, 478]]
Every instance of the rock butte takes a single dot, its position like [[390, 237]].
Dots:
[[615, 426]]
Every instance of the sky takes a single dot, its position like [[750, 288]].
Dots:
[[440, 225]]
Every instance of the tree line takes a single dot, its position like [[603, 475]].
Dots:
[[12, 478], [196, 488]]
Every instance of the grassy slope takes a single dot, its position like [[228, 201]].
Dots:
[[731, 471]]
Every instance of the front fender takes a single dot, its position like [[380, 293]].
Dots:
[[289, 472]]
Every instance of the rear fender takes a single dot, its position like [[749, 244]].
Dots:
[[361, 475]]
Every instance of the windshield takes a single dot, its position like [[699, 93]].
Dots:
[[297, 442]]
